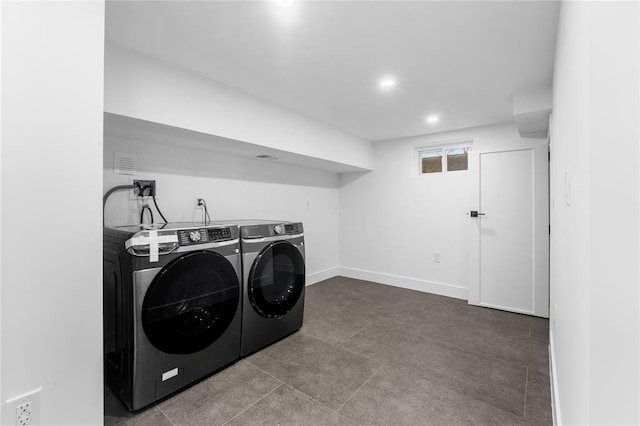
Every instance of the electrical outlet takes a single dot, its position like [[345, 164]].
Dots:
[[23, 410], [23, 414], [148, 188], [436, 257], [200, 202]]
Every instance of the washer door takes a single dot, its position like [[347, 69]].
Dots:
[[190, 303], [276, 280]]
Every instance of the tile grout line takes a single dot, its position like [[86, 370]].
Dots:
[[471, 351], [369, 323], [163, 413], [308, 396], [293, 387], [359, 354], [526, 386], [282, 382], [360, 387], [321, 339], [266, 395], [318, 402]]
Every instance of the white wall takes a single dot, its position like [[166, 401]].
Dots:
[[594, 216], [234, 188], [392, 219], [51, 281], [141, 87]]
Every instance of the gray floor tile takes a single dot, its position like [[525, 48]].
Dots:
[[366, 301], [393, 397], [538, 405], [481, 338], [496, 383], [332, 325], [415, 313], [325, 372], [115, 413], [352, 299], [220, 397], [540, 329], [342, 290], [287, 406], [466, 316]]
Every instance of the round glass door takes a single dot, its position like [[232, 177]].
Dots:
[[190, 303], [276, 280]]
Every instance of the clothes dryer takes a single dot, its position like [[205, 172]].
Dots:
[[273, 285], [172, 307]]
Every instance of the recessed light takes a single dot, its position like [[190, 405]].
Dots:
[[433, 119], [284, 3], [387, 83]]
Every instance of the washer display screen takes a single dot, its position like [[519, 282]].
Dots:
[[190, 303], [276, 280]]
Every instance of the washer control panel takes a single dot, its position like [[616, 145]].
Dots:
[[190, 237]]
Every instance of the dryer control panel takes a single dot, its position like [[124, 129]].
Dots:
[[271, 230], [189, 237]]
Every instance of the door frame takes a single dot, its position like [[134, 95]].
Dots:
[[541, 221]]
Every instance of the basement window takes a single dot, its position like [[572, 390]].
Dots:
[[431, 161], [457, 158], [444, 159]]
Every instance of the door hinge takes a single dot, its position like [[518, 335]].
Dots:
[[549, 229], [549, 155]]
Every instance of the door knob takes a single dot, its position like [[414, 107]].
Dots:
[[474, 213]]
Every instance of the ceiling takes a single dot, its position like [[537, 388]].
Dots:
[[461, 60]]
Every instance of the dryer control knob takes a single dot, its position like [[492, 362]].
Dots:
[[194, 236], [277, 229]]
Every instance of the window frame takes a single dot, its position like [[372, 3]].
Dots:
[[442, 147]]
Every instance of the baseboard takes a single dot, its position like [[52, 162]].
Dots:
[[316, 277], [442, 289], [555, 398]]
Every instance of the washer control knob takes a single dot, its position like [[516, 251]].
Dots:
[[194, 236], [277, 229]]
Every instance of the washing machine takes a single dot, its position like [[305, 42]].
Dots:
[[172, 307], [273, 284]]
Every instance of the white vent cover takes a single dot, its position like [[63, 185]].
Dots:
[[124, 163]]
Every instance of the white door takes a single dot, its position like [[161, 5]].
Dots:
[[509, 239]]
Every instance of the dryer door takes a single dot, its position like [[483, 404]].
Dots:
[[190, 303], [276, 280]]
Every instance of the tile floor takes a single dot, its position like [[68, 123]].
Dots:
[[372, 354]]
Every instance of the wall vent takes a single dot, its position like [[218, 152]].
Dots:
[[124, 163]]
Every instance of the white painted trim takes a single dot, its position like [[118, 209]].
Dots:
[[443, 143], [442, 289], [555, 395], [316, 277]]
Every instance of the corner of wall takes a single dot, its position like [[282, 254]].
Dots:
[[555, 394], [316, 277]]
